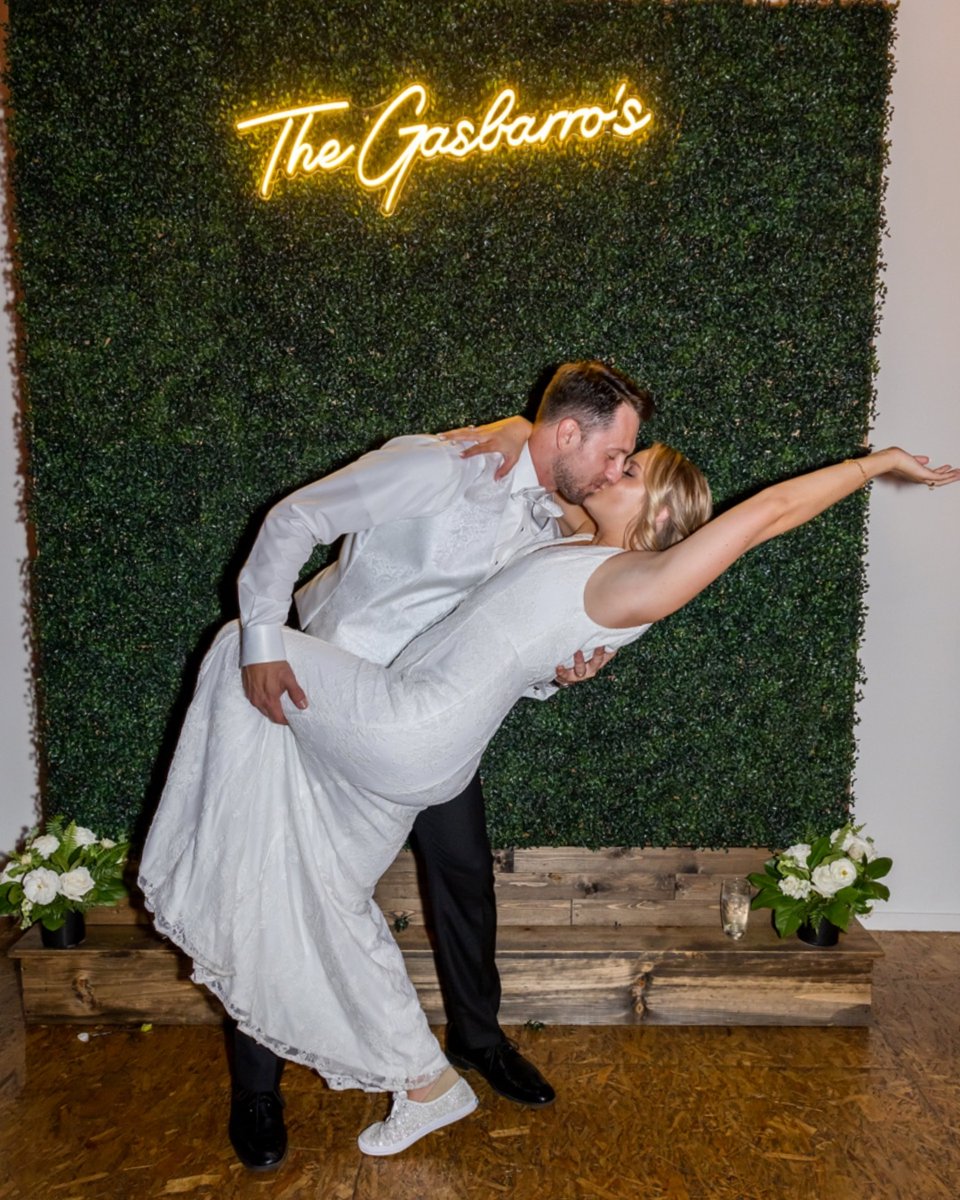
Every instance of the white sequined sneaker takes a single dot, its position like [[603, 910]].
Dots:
[[409, 1120]]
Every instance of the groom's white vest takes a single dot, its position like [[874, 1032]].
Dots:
[[422, 528]]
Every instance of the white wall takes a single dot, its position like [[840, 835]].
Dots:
[[910, 718], [909, 773], [17, 767], [19, 803]]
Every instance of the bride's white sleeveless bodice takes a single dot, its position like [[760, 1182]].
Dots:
[[415, 731], [269, 840]]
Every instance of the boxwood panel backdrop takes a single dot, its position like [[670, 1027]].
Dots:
[[192, 352]]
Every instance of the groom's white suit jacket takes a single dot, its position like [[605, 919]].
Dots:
[[422, 528]]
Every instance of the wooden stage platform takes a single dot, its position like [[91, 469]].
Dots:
[[586, 938]]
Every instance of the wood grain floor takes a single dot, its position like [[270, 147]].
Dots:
[[651, 1113]]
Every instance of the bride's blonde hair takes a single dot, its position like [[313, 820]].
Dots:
[[677, 493]]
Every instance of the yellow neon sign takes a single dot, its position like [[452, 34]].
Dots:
[[394, 143]]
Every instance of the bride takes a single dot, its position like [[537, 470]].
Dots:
[[269, 839]]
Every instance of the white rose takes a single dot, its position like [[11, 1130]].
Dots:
[[45, 844], [799, 853], [76, 883], [797, 889], [107, 843], [83, 836], [858, 848], [829, 878], [41, 886]]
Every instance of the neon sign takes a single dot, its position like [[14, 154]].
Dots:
[[394, 144]]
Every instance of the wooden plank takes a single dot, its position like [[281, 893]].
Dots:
[[121, 974], [130, 911], [13, 1055], [624, 908], [664, 998], [663, 860]]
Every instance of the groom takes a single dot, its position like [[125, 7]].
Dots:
[[423, 527]]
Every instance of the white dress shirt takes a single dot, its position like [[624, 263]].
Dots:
[[422, 528]]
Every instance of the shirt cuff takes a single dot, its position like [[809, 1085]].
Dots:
[[260, 644]]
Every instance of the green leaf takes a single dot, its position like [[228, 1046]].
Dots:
[[878, 868], [787, 921], [838, 914]]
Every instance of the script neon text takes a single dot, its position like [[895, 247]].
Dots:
[[395, 143]]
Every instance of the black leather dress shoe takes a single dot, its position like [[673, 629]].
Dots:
[[257, 1132], [506, 1070]]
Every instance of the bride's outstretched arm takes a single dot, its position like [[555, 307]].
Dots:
[[635, 588]]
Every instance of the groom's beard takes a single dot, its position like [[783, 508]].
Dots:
[[571, 487]]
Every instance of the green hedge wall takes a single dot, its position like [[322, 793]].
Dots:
[[191, 353]]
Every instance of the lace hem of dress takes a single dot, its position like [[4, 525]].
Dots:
[[332, 1073]]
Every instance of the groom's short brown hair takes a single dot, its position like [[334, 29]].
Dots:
[[591, 392]]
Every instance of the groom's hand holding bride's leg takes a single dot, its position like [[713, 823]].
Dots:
[[265, 685]]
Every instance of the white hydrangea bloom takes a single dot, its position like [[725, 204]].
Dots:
[[797, 889]]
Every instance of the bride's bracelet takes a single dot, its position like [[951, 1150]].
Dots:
[[859, 465]]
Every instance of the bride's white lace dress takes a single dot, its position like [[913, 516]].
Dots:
[[269, 839]]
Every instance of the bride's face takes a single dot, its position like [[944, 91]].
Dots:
[[614, 507]]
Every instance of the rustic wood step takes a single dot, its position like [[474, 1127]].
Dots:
[[576, 975], [586, 937]]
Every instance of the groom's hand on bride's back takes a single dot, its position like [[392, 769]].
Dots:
[[264, 685], [582, 668]]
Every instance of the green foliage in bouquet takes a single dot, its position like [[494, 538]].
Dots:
[[66, 868], [832, 877]]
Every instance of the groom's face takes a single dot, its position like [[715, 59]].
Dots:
[[595, 459]]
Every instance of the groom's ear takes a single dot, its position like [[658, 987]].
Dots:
[[569, 434]]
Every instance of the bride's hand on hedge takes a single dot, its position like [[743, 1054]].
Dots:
[[506, 438]]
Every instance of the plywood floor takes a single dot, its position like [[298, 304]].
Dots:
[[684, 1114]]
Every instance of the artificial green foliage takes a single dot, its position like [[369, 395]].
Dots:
[[192, 353]]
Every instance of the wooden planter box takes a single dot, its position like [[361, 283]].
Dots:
[[586, 938]]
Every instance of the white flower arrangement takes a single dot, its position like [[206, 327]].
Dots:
[[829, 878], [66, 868]]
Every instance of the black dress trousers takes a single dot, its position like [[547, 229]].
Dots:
[[453, 849]]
